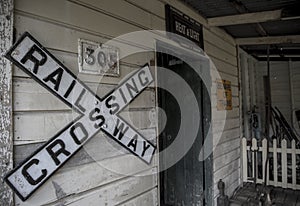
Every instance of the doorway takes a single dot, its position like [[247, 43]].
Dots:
[[188, 181]]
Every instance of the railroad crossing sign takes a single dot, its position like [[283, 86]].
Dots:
[[95, 114]]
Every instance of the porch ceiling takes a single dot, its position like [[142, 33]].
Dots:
[[250, 20]]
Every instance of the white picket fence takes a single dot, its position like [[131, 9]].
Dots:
[[286, 168]]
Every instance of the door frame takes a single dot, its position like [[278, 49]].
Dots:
[[206, 123]]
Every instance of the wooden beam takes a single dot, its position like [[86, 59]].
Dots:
[[6, 134], [241, 8], [292, 39], [245, 18]]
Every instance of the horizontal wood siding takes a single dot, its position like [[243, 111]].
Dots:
[[295, 91], [38, 115], [226, 156], [102, 171], [280, 87]]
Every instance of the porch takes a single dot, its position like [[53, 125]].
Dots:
[[249, 195]]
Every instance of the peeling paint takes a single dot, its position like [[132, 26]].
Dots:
[[6, 139], [58, 190]]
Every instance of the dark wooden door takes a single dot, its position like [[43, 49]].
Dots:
[[183, 183]]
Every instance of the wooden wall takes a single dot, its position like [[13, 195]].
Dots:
[[249, 89], [285, 88], [38, 115], [295, 90]]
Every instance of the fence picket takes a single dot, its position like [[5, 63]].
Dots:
[[284, 163], [254, 160], [245, 160], [284, 151]]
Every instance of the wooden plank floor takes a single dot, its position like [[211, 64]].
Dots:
[[249, 195]]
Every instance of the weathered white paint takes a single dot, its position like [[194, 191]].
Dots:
[[146, 199], [284, 150], [29, 96], [295, 91], [26, 178], [6, 135], [280, 88], [59, 30], [117, 192], [75, 180], [26, 132]]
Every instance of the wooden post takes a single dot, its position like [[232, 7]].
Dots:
[[275, 168], [6, 137], [294, 174], [245, 93]]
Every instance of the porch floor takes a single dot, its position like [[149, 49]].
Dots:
[[247, 195]]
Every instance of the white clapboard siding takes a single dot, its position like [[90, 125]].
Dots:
[[295, 82], [280, 87], [76, 15], [70, 60], [218, 115], [98, 148], [146, 199], [156, 8], [229, 124], [34, 127], [224, 67], [225, 159], [80, 179], [230, 181], [117, 192], [60, 38], [30, 96], [58, 25], [218, 53], [227, 170], [226, 153], [227, 135], [123, 11], [219, 42], [219, 74], [224, 147], [140, 119], [92, 78]]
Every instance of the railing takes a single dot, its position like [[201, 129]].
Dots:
[[283, 164]]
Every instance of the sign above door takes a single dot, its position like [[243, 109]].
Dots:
[[183, 25]]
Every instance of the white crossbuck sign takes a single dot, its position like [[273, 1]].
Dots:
[[96, 114]]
